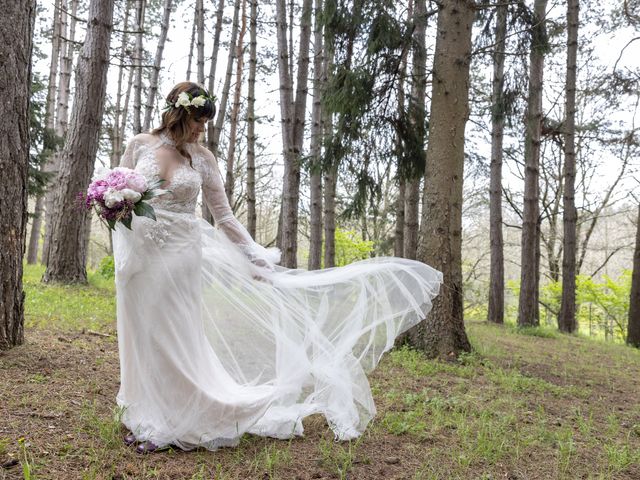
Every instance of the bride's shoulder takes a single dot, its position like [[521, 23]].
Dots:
[[146, 138]]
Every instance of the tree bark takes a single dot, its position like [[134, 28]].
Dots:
[[138, 60], [222, 110], [633, 328], [62, 110], [496, 274], [315, 234], [398, 240], [293, 119], [16, 30], [36, 226], [416, 117], [157, 62], [443, 333], [529, 265], [411, 217], [251, 120], [67, 256], [567, 318], [191, 45], [200, 40], [120, 116], [235, 110]]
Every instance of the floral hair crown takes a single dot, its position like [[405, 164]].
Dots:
[[187, 100]]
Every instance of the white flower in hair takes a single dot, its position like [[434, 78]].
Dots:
[[199, 101], [183, 99]]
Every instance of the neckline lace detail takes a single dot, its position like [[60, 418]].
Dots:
[[165, 139]]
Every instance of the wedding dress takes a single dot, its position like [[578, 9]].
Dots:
[[216, 340]]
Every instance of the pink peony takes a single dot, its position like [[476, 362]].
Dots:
[[117, 179], [97, 188], [136, 182]]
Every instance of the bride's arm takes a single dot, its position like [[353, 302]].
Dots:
[[216, 199]]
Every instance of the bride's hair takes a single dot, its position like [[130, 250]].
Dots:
[[175, 119]]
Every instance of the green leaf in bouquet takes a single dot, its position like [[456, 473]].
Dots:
[[112, 224], [143, 209], [149, 194], [126, 221]]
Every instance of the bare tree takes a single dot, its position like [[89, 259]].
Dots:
[[315, 233], [67, 31], [530, 253], [157, 62], [200, 40], [235, 110], [251, 120], [120, 115], [567, 317], [443, 333], [16, 29], [138, 59], [496, 275], [398, 242], [206, 214], [222, 110], [416, 117], [292, 113], [67, 254], [633, 329], [36, 226], [330, 176]]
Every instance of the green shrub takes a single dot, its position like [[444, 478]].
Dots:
[[107, 267]]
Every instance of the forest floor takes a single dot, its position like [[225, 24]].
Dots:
[[524, 405]]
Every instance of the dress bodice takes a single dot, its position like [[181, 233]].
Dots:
[[186, 180]]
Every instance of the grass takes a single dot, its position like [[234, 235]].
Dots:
[[73, 307], [526, 404]]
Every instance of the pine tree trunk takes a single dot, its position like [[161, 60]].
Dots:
[[36, 227], [157, 62], [496, 273], [118, 140], [191, 46], [200, 40], [251, 120], [529, 277], [138, 60], [398, 240], [567, 318], [293, 120], [329, 178], [633, 329], [235, 110], [442, 334], [206, 214], [222, 110], [16, 30], [62, 111], [315, 234], [330, 181], [416, 117], [67, 256], [411, 219]]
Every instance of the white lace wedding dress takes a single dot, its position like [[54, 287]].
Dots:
[[209, 352]]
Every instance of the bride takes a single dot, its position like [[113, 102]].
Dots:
[[215, 339]]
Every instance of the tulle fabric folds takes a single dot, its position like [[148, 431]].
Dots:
[[213, 346]]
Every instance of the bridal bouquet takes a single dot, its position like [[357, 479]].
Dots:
[[119, 193]]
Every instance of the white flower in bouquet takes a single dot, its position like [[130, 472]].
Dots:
[[112, 197], [132, 195]]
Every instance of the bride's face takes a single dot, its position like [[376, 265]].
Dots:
[[196, 128]]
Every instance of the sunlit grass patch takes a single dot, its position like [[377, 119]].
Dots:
[[69, 307]]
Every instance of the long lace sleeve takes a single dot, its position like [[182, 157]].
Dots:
[[216, 199], [128, 158]]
